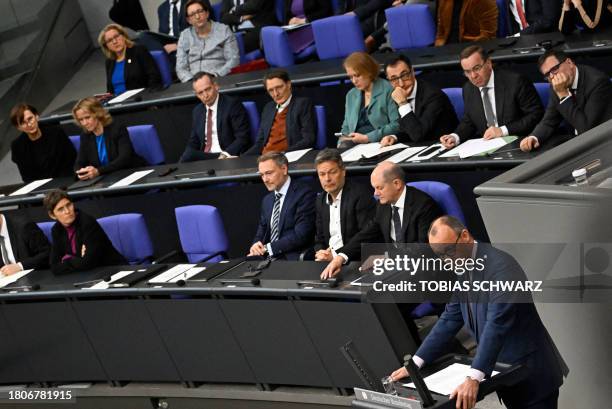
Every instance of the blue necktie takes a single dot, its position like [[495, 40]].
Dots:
[[102, 155]]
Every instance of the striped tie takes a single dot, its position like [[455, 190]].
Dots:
[[276, 217]]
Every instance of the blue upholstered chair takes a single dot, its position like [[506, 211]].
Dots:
[[410, 26], [201, 233], [216, 10], [337, 36], [254, 118], [46, 228], [321, 141], [502, 19], [163, 64], [444, 196], [277, 50], [76, 141], [129, 234], [145, 142], [456, 98], [244, 56], [543, 89]]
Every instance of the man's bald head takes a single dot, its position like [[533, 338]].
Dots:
[[389, 181]]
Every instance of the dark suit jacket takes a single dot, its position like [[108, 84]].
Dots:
[[118, 147], [233, 128], [357, 207], [296, 224], [99, 251], [300, 130], [419, 211], [29, 244], [314, 10], [505, 331], [516, 101], [364, 8], [587, 109], [542, 16], [140, 70], [263, 13], [433, 117], [163, 15]]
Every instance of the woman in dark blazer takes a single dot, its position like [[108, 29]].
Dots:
[[39, 152], [105, 146], [79, 243], [128, 66]]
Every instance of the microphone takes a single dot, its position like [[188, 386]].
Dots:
[[503, 151], [25, 288], [92, 282], [253, 281], [211, 172]]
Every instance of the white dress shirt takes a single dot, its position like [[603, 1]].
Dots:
[[335, 223], [7, 243], [515, 14], [284, 105], [215, 147], [400, 208], [172, 30], [283, 190]]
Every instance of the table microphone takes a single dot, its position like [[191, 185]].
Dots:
[[253, 281]]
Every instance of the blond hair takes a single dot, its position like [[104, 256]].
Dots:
[[108, 53], [363, 64], [93, 106]]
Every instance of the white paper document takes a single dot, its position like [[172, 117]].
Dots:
[[102, 285], [6, 280], [473, 147], [30, 187], [128, 180], [290, 27], [187, 274], [368, 150], [405, 154], [427, 153], [168, 275], [294, 156], [125, 95], [445, 381]]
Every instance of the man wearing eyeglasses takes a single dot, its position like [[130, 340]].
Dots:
[[505, 330], [425, 111], [580, 96], [497, 103]]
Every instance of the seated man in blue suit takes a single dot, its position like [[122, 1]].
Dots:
[[287, 122], [220, 126], [287, 224], [505, 331]]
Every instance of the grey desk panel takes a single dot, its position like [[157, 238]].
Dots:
[[126, 340], [200, 340], [53, 342], [275, 342]]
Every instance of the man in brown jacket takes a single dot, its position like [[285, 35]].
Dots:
[[466, 20]]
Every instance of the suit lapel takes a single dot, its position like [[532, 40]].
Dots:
[[386, 223], [286, 203], [418, 99], [499, 89], [480, 119], [13, 237], [220, 111], [325, 215], [344, 203], [289, 122]]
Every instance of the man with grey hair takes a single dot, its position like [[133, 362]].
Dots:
[[403, 215], [286, 226], [343, 209]]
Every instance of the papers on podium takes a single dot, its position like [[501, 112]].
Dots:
[[475, 147], [405, 154], [126, 95], [128, 180], [368, 150], [6, 280], [102, 285], [176, 271], [445, 381], [30, 187], [294, 156]]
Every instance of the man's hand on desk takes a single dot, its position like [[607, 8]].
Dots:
[[9, 269], [493, 132], [387, 140], [258, 249], [399, 374], [88, 172], [333, 268], [447, 141], [324, 255], [466, 394], [529, 143]]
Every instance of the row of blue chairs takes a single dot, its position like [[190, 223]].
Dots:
[[202, 233]]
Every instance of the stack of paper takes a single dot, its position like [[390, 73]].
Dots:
[[405, 154], [176, 271], [102, 285], [125, 95], [294, 156], [6, 280], [446, 381], [474, 147], [128, 180], [368, 150], [30, 187]]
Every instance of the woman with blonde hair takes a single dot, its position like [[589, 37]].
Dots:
[[128, 66], [370, 113], [105, 146]]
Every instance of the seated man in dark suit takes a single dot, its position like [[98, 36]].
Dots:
[[220, 126], [580, 96], [286, 226], [532, 16], [287, 122], [249, 16], [497, 103], [343, 209], [403, 215], [22, 246], [425, 111], [505, 330]]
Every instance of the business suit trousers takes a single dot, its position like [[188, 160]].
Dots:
[[548, 402]]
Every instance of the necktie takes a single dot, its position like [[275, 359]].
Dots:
[[521, 13], [276, 217], [175, 19], [397, 224], [209, 126], [3, 251], [489, 115]]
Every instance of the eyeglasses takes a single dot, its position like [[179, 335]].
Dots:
[[196, 13], [113, 38], [474, 70], [446, 251], [553, 70], [67, 208], [28, 121], [404, 76]]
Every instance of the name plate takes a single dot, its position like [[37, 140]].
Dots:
[[390, 401]]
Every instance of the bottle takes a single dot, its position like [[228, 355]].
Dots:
[[580, 176]]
